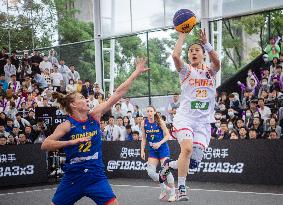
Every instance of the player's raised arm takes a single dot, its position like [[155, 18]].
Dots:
[[178, 62], [215, 62], [121, 90]]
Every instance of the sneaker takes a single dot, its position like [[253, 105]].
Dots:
[[182, 193], [164, 192], [172, 196], [165, 170]]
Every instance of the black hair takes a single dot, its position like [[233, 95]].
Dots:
[[197, 44]]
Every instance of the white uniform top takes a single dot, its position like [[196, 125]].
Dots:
[[198, 93]]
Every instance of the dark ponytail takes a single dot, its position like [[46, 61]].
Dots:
[[64, 100]]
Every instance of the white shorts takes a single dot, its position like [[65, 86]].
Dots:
[[200, 134]]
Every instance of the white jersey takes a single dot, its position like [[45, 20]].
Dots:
[[198, 92]]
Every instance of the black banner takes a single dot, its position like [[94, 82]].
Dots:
[[22, 165], [51, 116], [237, 161]]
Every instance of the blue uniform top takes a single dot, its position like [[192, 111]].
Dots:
[[154, 133], [87, 155]]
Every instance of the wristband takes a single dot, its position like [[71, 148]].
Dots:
[[208, 47]]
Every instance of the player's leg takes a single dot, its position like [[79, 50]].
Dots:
[[171, 183], [183, 166], [101, 193], [68, 191], [152, 163]]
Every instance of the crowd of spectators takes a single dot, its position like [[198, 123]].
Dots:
[[28, 82]]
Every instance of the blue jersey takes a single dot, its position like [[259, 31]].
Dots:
[[87, 155], [154, 134]]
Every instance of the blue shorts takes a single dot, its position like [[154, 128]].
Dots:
[[75, 186], [160, 153]]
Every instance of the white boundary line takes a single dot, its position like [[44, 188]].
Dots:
[[152, 187], [206, 190]]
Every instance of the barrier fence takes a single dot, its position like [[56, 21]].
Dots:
[[243, 161]]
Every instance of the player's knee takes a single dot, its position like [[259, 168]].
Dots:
[[151, 171], [186, 151]]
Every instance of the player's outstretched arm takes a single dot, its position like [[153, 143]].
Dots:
[[52, 143], [215, 62], [176, 55], [121, 90]]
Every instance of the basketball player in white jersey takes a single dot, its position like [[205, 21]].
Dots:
[[196, 111]]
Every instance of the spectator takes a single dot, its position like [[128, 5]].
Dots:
[[137, 126], [130, 117], [3, 59], [274, 126], [239, 124], [232, 116], [57, 80], [16, 132], [258, 127], [273, 135], [129, 134], [79, 86], [20, 122], [2, 91], [9, 70], [123, 131], [11, 140], [117, 111], [14, 59], [73, 74], [243, 133], [234, 103], [136, 135], [252, 134], [52, 57], [223, 132], [24, 70], [97, 91], [23, 139], [71, 87], [113, 132], [92, 102], [23, 110], [127, 106], [102, 127], [3, 140], [46, 76], [14, 84], [9, 126], [2, 131], [234, 135], [35, 61], [12, 111], [272, 49], [264, 111], [39, 79], [137, 111], [31, 117], [30, 134], [41, 131], [126, 121], [3, 82], [87, 89], [64, 70], [45, 65]]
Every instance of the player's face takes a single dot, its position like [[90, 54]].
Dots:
[[150, 112], [195, 54], [81, 102]]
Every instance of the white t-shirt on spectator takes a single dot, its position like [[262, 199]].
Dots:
[[125, 108], [56, 78], [137, 128], [15, 86], [45, 65], [113, 133], [71, 88], [123, 133], [74, 75], [93, 104], [265, 113]]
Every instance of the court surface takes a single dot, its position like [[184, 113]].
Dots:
[[138, 192]]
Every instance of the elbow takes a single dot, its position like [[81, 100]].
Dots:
[[175, 56], [44, 146]]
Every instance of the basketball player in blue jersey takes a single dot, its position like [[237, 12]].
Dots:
[[80, 136], [156, 134]]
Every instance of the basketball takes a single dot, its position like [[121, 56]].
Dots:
[[184, 20]]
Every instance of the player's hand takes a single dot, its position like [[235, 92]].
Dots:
[[80, 140], [156, 145], [202, 37], [142, 154], [140, 65]]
